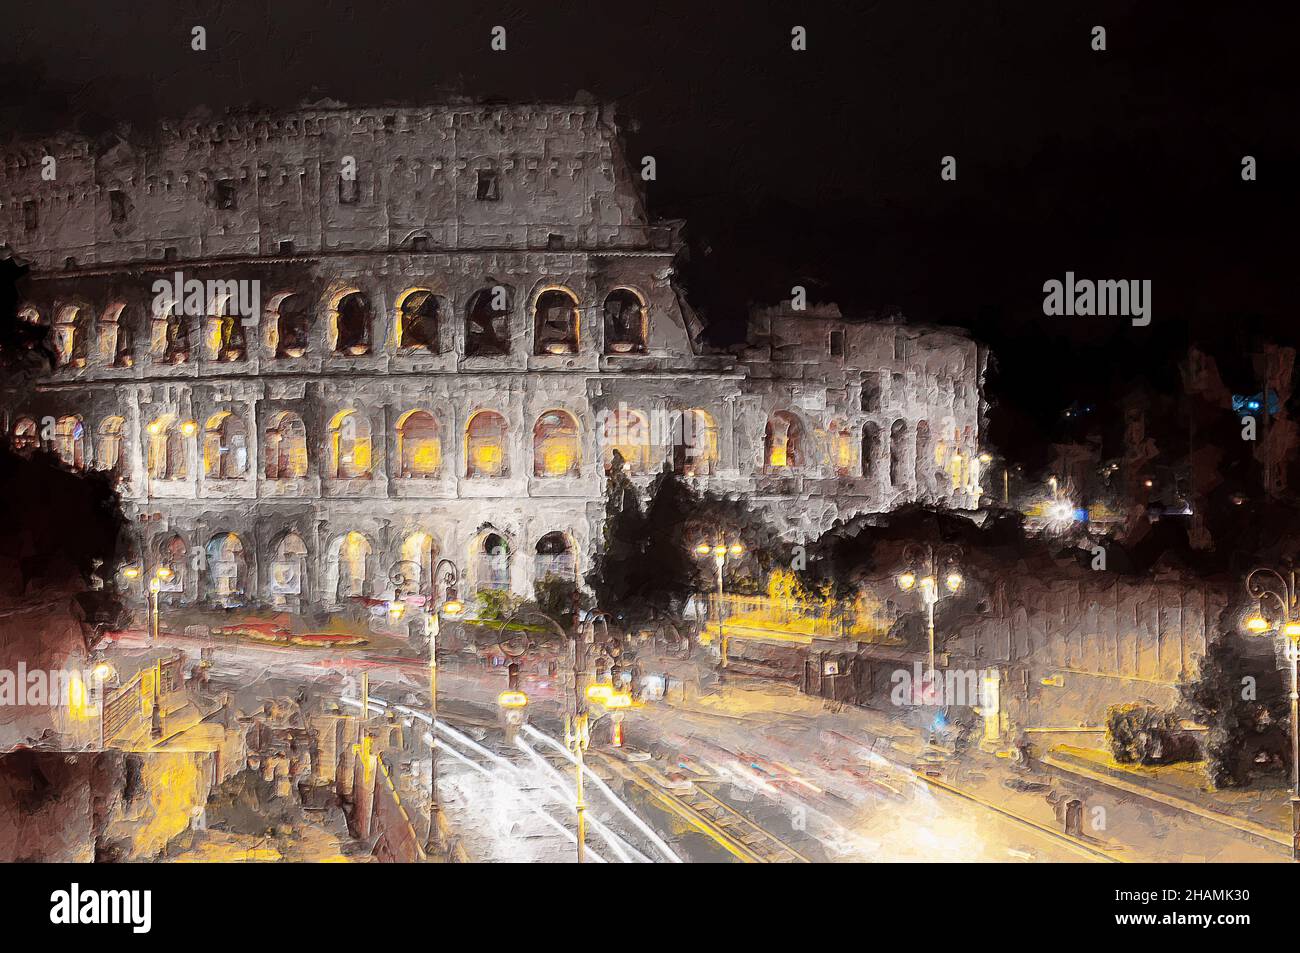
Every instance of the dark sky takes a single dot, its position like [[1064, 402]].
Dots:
[[822, 167]]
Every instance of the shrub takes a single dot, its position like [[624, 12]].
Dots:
[[1143, 734], [494, 605]]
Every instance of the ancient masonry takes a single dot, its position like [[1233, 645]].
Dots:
[[458, 313]]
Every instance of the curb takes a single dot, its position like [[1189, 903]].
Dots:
[[1269, 834]]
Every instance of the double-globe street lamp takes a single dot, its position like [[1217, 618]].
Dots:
[[1259, 584], [160, 575], [452, 607], [720, 550], [926, 561]]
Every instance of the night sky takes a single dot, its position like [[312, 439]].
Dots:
[[822, 167]]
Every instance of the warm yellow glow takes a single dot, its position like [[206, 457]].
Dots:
[[557, 460], [512, 699], [1291, 630], [618, 700], [1257, 624], [719, 550], [736, 549], [189, 428], [599, 693], [163, 572], [396, 609], [154, 585], [131, 572], [155, 427], [103, 672], [778, 456], [953, 581], [78, 698], [906, 581], [703, 549], [488, 458], [985, 459], [427, 457], [928, 583], [453, 608]]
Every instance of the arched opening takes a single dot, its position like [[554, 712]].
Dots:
[[350, 565], [286, 447], [555, 323], [167, 459], [418, 555], [227, 570], [352, 325], [122, 336], [870, 451], [26, 436], [924, 473], [419, 445], [627, 432], [292, 327], [490, 559], [288, 571], [71, 336], [555, 558], [417, 323], [840, 442], [695, 443], [487, 322], [70, 441], [176, 337], [108, 450], [349, 446], [225, 447], [784, 442], [556, 451], [625, 322], [898, 454], [485, 446], [228, 341]]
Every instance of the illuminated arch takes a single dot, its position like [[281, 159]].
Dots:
[[555, 321], [695, 443], [350, 446], [487, 452], [225, 447], [419, 445], [419, 319], [627, 432], [70, 441], [286, 447], [626, 324], [556, 448], [784, 442]]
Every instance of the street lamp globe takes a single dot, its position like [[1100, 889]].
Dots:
[[907, 580], [953, 582], [1257, 624], [736, 549], [703, 549]]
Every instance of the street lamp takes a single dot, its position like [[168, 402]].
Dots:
[[721, 551], [926, 559], [452, 607], [1259, 585], [160, 575]]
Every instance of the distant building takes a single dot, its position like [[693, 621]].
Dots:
[[462, 311]]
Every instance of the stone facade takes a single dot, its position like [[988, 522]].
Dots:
[[447, 346]]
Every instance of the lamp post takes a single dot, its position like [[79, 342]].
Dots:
[[925, 559], [720, 550], [453, 607], [1260, 583], [160, 575]]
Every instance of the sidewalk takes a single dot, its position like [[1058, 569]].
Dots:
[[1265, 814]]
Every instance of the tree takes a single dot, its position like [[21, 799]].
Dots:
[[1240, 695]]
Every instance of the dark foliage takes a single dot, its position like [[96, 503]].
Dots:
[[1242, 698], [1142, 734]]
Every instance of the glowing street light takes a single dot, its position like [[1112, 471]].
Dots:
[[720, 551], [1260, 583], [929, 586]]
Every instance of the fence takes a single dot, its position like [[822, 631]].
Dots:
[[126, 711]]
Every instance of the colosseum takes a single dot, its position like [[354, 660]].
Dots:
[[461, 312]]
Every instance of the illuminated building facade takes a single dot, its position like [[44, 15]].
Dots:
[[461, 312]]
